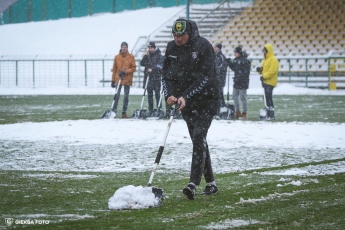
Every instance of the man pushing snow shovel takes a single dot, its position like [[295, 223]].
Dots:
[[189, 80]]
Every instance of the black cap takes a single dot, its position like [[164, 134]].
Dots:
[[124, 44], [219, 45], [152, 44], [181, 26], [238, 49]]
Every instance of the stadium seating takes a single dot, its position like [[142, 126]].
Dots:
[[305, 27], [295, 28]]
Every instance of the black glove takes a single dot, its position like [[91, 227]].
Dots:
[[113, 85], [122, 74], [259, 70]]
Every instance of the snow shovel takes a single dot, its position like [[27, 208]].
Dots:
[[131, 197], [110, 113], [263, 112], [142, 113], [159, 112], [158, 192], [227, 111]]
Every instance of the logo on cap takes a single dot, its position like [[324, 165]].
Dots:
[[179, 27]]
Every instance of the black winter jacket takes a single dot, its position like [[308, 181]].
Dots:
[[189, 70], [241, 68], [154, 61], [221, 68]]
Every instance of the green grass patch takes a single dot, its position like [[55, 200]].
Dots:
[[79, 201], [14, 109], [72, 200]]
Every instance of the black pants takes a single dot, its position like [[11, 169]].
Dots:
[[221, 101], [269, 95], [125, 100], [198, 122], [153, 88]]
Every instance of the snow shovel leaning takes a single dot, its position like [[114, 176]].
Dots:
[[142, 113], [263, 112], [110, 113], [227, 112], [158, 192], [159, 111]]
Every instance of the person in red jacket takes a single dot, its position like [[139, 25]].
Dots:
[[123, 67]]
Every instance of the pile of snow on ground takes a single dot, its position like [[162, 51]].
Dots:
[[132, 197]]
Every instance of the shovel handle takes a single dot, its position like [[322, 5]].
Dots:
[[159, 154], [161, 148]]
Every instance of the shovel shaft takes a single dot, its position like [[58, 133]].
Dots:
[[159, 154], [160, 150], [142, 100], [265, 98], [160, 96], [115, 95], [152, 174]]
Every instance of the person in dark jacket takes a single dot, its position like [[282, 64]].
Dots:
[[190, 83], [221, 69], [152, 61], [241, 67]]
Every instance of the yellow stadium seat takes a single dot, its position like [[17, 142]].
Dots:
[[305, 27]]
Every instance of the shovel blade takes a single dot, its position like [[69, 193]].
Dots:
[[159, 194], [140, 113], [108, 114], [263, 114]]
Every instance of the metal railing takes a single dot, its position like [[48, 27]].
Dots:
[[95, 72], [308, 71], [70, 73]]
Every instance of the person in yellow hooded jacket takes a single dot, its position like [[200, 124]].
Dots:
[[269, 77], [123, 68]]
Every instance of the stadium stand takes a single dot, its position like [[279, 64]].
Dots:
[[209, 19], [308, 35], [306, 27], [309, 29]]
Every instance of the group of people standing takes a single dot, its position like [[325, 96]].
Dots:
[[125, 65], [123, 68], [241, 67], [192, 73]]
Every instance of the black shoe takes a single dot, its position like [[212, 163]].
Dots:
[[190, 191], [210, 189]]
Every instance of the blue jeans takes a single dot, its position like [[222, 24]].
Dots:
[[240, 94]]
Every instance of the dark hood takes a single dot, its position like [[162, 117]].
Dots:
[[157, 51], [194, 28]]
